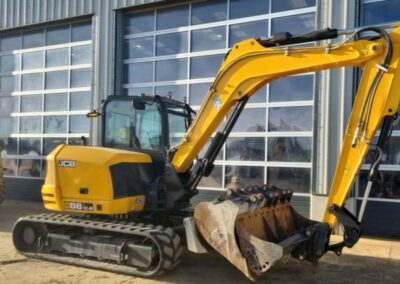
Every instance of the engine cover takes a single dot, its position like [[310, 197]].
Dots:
[[96, 180]]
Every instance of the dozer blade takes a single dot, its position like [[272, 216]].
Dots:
[[257, 227]]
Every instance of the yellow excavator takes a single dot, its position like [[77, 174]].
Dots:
[[125, 206]]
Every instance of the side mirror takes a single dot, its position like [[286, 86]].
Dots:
[[93, 113]]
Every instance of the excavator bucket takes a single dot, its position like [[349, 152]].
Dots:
[[257, 227]]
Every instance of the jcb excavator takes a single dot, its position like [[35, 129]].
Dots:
[[129, 200]]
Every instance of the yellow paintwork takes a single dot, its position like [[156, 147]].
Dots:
[[91, 171], [249, 66], [386, 102]]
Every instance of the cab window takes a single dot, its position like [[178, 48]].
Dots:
[[127, 127], [178, 122]]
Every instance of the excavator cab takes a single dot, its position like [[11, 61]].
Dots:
[[150, 124]]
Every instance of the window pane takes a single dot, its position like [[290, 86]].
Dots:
[[30, 146], [297, 24], [31, 103], [79, 124], [29, 168], [278, 6], [8, 126], [251, 120], [32, 60], [138, 91], [9, 84], [58, 35], [139, 23], [247, 8], [295, 179], [8, 104], [81, 78], [8, 146], [31, 124], [206, 12], [57, 57], [78, 141], [177, 92], [173, 69], [56, 102], [205, 66], [33, 39], [139, 47], [246, 175], [391, 153], [55, 124], [9, 167], [207, 39], [290, 119], [80, 101], [81, 54], [57, 80], [260, 96], [173, 17], [197, 93], [380, 12], [31, 82], [49, 144], [289, 149], [9, 63], [214, 179], [138, 72], [81, 31], [240, 32], [172, 43], [295, 88], [386, 186], [10, 42], [245, 149]]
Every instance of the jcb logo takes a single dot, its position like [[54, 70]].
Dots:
[[67, 163]]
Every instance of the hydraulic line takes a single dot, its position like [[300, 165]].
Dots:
[[383, 68]]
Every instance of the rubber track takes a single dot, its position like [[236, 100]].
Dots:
[[167, 241]]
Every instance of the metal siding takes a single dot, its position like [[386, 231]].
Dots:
[[18, 13], [300, 203]]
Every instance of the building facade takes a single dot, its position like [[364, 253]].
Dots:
[[61, 58]]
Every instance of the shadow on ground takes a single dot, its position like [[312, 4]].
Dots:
[[11, 210]]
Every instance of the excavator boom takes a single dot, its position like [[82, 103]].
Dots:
[[256, 226]]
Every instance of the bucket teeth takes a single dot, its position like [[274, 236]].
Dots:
[[253, 227]]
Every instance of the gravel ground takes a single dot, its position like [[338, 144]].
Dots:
[[370, 261]]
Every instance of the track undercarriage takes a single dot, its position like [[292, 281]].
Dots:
[[253, 228], [96, 242]]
